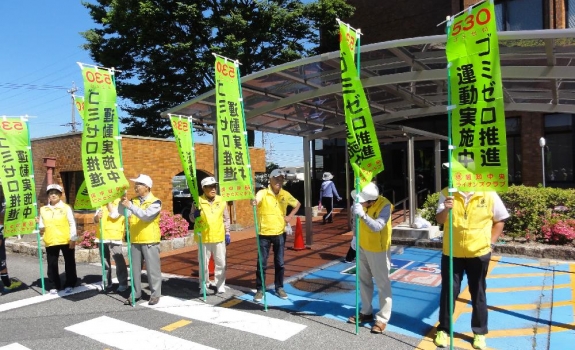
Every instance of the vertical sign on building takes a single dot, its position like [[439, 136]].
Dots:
[[234, 170], [362, 143], [479, 159], [101, 158], [185, 142], [17, 175]]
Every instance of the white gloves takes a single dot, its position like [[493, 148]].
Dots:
[[353, 243], [357, 209], [288, 229]]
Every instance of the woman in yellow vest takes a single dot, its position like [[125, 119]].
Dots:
[[113, 229], [144, 220], [57, 224], [216, 234], [374, 213]]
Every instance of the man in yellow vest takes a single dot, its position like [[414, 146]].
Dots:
[[57, 224], [478, 219], [272, 203], [374, 216], [216, 234], [144, 220], [112, 234]]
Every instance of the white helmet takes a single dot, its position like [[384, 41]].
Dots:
[[368, 193]]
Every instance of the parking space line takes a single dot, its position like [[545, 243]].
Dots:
[[526, 288]]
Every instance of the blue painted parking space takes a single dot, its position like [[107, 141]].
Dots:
[[531, 304]]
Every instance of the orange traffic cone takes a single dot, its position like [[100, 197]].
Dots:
[[298, 239], [211, 266]]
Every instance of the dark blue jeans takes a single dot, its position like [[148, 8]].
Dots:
[[278, 243]]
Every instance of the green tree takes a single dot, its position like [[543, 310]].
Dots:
[[163, 49]]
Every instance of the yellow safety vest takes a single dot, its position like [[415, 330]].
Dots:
[[145, 232], [272, 210], [471, 225], [56, 225], [113, 229], [213, 216], [376, 241]]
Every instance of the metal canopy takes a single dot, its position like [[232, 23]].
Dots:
[[403, 79]]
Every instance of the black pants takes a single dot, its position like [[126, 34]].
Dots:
[[476, 270], [327, 203], [350, 256], [52, 254], [278, 243]]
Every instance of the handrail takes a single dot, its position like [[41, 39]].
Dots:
[[406, 199]]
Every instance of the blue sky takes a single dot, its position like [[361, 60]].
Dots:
[[41, 44]]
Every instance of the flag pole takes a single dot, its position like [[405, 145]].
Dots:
[[126, 220], [104, 279], [254, 210], [450, 191], [36, 214]]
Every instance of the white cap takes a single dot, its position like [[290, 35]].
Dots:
[[143, 179], [209, 181], [368, 193], [278, 172], [327, 176], [54, 187]]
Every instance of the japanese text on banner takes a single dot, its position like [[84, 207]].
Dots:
[[233, 167], [362, 143], [17, 175], [185, 142], [479, 160], [101, 158]]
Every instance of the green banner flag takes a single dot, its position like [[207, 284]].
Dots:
[[234, 170], [101, 155], [185, 142], [82, 201], [79, 102], [17, 176], [479, 159], [362, 142]]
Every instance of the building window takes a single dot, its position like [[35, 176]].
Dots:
[[558, 153], [570, 13], [514, 158], [519, 14]]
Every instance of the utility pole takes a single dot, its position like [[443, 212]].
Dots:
[[73, 123]]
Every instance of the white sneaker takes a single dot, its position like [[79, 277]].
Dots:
[[68, 290], [221, 290], [53, 291]]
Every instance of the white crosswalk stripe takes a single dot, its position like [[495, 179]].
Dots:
[[42, 298], [127, 336], [243, 321], [14, 346]]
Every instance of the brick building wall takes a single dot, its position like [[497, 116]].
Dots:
[[157, 158], [383, 20]]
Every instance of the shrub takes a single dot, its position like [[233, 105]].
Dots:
[[558, 229], [536, 213], [88, 240], [172, 226]]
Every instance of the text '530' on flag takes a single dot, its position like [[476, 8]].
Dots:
[[184, 140], [234, 170], [101, 149], [362, 143], [17, 175], [479, 159]]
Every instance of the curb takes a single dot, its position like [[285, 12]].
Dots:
[[541, 251]]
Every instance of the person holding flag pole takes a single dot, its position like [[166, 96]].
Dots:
[[111, 233], [365, 159], [472, 212], [184, 135]]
